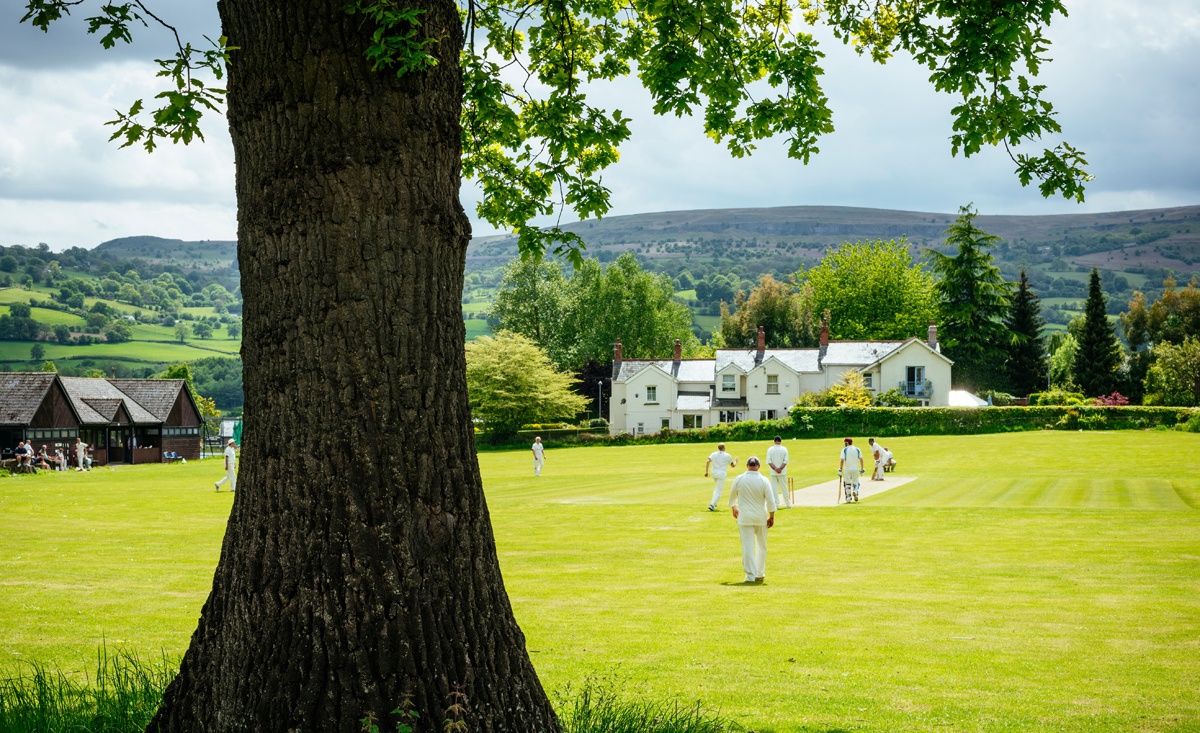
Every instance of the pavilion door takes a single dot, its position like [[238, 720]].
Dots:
[[118, 445]]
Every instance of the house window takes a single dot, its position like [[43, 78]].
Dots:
[[693, 422], [766, 414], [772, 384], [651, 394], [666, 423], [728, 383], [641, 428], [868, 380]]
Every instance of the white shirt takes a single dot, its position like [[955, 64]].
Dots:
[[720, 461], [538, 449], [230, 457], [851, 455], [877, 451], [885, 454], [753, 497], [777, 455]]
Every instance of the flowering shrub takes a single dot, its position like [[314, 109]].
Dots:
[[1115, 399]]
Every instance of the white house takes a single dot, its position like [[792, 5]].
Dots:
[[762, 384]]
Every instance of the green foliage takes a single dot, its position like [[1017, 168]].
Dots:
[[49, 366], [121, 697], [872, 290], [118, 332], [19, 310], [182, 331], [511, 382], [1025, 368], [774, 306], [1062, 363], [202, 330], [37, 352], [851, 391], [396, 42], [891, 398], [1172, 317], [1057, 397], [576, 320], [1174, 377], [998, 399], [62, 333], [1099, 354], [973, 301], [535, 154]]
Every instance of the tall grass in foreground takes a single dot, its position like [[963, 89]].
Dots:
[[597, 709], [122, 697], [127, 691]]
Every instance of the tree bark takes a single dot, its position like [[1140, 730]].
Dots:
[[358, 567]]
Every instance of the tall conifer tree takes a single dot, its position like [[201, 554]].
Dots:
[[1026, 365], [1099, 353], [973, 302]]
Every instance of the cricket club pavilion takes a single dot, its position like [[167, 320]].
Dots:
[[763, 384], [123, 420]]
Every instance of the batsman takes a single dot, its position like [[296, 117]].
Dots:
[[850, 470]]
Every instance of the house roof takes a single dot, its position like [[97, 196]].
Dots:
[[798, 360], [21, 394], [83, 391], [156, 395], [859, 353], [693, 402], [925, 345], [105, 407], [687, 370]]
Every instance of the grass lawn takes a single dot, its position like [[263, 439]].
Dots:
[[137, 351], [1025, 582]]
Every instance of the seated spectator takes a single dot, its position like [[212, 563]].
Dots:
[[42, 459], [60, 459], [22, 454]]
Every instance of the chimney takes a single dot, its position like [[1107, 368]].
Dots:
[[933, 344], [762, 339], [678, 351], [824, 332], [617, 351]]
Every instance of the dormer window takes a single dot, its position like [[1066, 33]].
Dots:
[[728, 383]]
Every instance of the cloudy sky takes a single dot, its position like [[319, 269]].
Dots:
[[1123, 80]]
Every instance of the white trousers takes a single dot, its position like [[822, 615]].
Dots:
[[878, 469], [719, 480], [754, 550], [537, 466], [230, 478], [779, 485]]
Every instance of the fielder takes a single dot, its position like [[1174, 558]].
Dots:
[[539, 456], [719, 461], [752, 501], [850, 470], [230, 469], [777, 459]]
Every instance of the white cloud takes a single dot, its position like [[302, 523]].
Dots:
[[1122, 80]]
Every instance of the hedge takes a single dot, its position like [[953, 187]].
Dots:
[[828, 422]]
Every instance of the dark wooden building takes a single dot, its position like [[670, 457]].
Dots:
[[124, 420]]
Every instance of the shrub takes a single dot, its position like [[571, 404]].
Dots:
[[1056, 397], [998, 399], [824, 398], [891, 398], [1115, 399], [598, 422]]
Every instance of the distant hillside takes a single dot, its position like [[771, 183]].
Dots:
[[1173, 235], [207, 253]]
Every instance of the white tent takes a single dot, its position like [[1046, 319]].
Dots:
[[963, 398]]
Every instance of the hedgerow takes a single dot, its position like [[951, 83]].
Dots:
[[827, 422]]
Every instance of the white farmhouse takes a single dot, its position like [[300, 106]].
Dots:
[[763, 384]]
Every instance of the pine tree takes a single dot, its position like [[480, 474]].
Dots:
[[973, 302], [1026, 364], [1099, 353]]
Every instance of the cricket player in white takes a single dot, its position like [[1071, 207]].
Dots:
[[230, 469], [539, 456], [752, 500], [777, 460], [850, 469], [876, 451], [719, 461]]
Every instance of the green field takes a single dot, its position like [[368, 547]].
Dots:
[[1024, 582]]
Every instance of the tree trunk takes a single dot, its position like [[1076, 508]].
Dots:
[[358, 568]]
